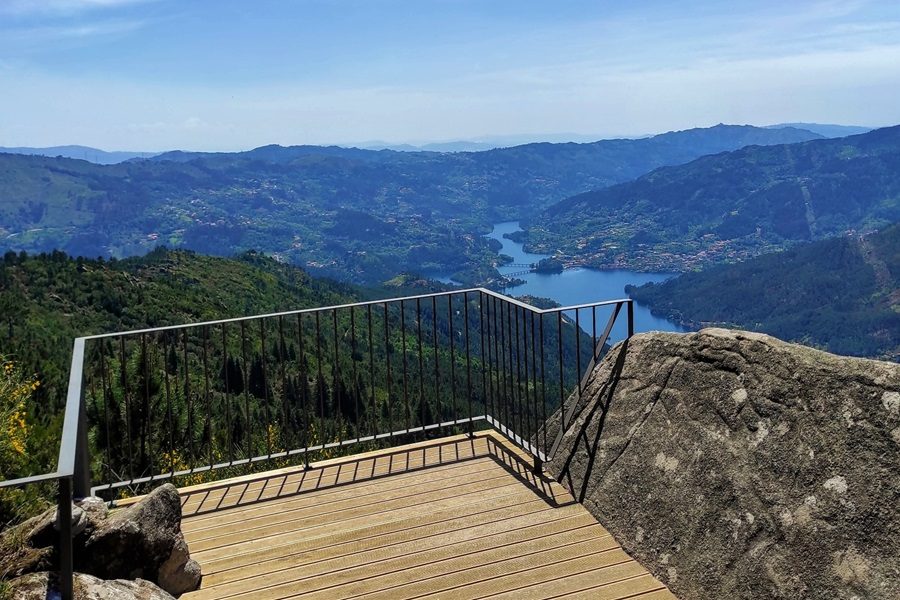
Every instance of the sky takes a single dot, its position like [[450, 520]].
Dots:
[[153, 75]]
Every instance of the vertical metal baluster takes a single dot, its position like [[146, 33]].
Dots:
[[452, 357], [498, 367], [507, 347], [228, 420], [481, 326], [148, 418], [282, 360], [305, 411], [128, 417], [403, 347], [468, 359], [518, 388], [355, 387], [535, 430], [543, 384], [265, 385], [437, 373], [387, 354], [526, 394], [421, 367], [245, 374], [594, 353], [562, 406], [188, 403], [109, 469], [578, 348], [337, 390], [169, 403], [630, 318], [373, 414], [320, 380], [208, 426]]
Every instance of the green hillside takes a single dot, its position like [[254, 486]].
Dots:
[[841, 294], [730, 206], [356, 215]]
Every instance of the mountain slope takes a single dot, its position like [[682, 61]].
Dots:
[[826, 129], [840, 294], [355, 214], [730, 206]]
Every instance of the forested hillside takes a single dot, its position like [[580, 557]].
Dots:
[[357, 215], [841, 294], [731, 206]]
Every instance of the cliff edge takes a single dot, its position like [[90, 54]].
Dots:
[[735, 465]]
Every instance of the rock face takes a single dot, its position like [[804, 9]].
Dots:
[[41, 586], [143, 541], [734, 465]]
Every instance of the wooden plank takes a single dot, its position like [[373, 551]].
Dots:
[[285, 510], [663, 594], [349, 470], [410, 527], [421, 537], [337, 512], [433, 577], [438, 547], [628, 588], [552, 580], [359, 522]]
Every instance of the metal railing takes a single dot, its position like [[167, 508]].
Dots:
[[204, 401]]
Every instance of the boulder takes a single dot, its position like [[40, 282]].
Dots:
[[143, 541], [40, 586], [735, 465]]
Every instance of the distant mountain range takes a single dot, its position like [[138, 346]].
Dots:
[[841, 294], [731, 206], [356, 214], [826, 130], [100, 157]]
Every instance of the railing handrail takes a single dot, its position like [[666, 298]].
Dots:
[[287, 313]]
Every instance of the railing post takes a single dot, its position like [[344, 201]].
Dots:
[[64, 519], [630, 318], [81, 478]]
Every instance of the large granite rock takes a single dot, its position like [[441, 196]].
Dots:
[[734, 465], [41, 586], [143, 541]]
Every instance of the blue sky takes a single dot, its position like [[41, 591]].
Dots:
[[227, 74]]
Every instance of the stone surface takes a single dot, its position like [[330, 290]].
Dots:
[[179, 573], [137, 541], [35, 587], [143, 541], [734, 465]]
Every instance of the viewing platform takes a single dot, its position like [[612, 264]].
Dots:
[[455, 517]]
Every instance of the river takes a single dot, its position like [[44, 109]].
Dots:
[[579, 286]]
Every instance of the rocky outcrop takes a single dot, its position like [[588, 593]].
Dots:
[[41, 586], [141, 542], [734, 465]]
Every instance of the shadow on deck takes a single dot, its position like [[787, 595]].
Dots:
[[457, 517]]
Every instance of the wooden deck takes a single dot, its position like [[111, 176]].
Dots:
[[451, 518]]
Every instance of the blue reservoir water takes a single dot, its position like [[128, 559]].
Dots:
[[580, 286]]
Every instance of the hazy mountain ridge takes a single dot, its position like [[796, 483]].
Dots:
[[94, 155], [730, 206], [357, 214]]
